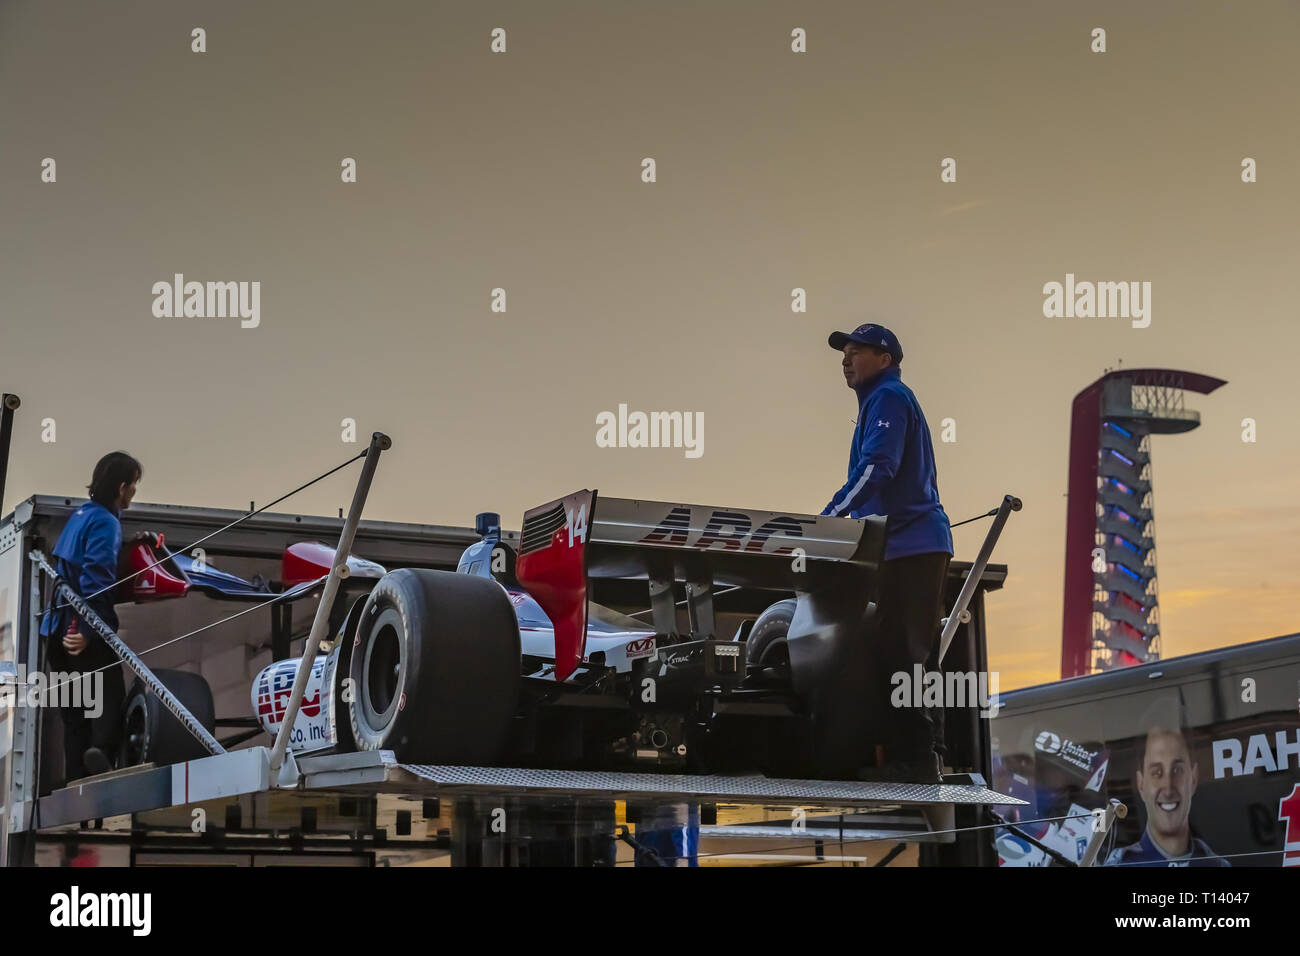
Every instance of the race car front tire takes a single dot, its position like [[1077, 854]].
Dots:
[[344, 742], [435, 668]]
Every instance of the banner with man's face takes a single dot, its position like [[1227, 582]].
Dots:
[[1208, 766]]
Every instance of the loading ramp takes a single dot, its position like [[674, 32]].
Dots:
[[583, 798]]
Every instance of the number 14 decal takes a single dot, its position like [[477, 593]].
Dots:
[[577, 525]]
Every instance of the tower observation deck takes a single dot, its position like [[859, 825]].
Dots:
[[1111, 616]]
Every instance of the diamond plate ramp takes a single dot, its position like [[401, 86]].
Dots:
[[706, 788]]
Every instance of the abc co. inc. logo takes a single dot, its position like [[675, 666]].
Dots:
[[1048, 743]]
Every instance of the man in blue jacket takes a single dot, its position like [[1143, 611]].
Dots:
[[86, 558], [891, 473]]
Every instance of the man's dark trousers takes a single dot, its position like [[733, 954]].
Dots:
[[81, 732], [908, 610]]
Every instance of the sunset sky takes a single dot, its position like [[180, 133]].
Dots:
[[775, 170]]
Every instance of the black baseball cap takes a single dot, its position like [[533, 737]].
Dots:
[[877, 336]]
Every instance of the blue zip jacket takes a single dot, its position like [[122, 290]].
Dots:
[[891, 470], [85, 556]]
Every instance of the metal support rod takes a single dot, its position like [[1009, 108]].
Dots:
[[889, 857], [138, 667], [8, 403], [379, 442], [1100, 831], [1009, 504]]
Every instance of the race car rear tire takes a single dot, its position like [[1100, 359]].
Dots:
[[784, 745], [150, 734], [435, 668], [766, 644]]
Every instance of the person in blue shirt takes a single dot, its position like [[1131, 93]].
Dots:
[[86, 558], [892, 473]]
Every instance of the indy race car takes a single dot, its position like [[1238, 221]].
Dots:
[[508, 661]]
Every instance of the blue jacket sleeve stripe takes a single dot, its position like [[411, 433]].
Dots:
[[843, 506], [882, 450]]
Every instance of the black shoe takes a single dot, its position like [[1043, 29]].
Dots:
[[924, 768], [95, 761]]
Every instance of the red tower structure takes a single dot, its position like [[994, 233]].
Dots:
[[1111, 616]]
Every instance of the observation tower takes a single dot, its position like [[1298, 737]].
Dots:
[[1111, 616]]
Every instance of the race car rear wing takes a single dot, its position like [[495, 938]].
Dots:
[[567, 541]]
